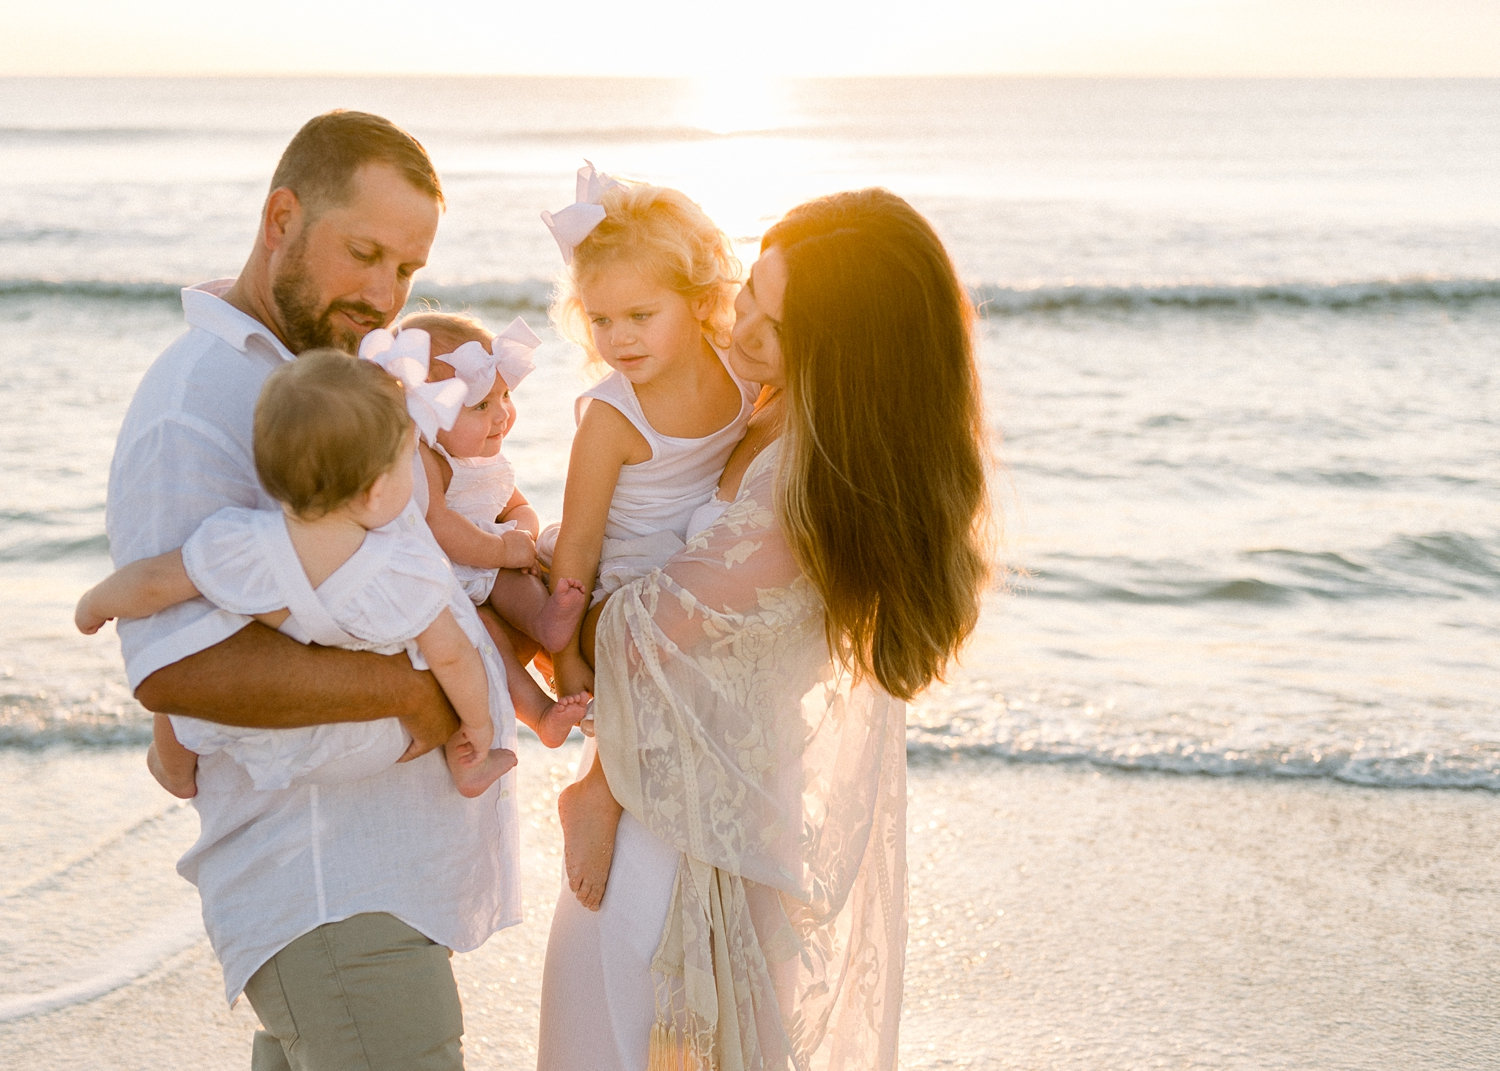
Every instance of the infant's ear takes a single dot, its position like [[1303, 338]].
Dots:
[[376, 486]]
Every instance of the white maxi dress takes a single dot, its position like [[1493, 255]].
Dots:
[[755, 915]]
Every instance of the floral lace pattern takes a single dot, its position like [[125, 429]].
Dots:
[[727, 730]]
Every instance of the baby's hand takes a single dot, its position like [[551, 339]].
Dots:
[[87, 620], [520, 549]]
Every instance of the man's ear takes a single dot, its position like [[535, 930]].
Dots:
[[282, 220]]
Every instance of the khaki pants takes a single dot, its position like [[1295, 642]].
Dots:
[[366, 994]]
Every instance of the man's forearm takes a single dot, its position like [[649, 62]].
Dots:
[[260, 679]]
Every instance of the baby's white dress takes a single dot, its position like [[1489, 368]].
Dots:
[[479, 491], [381, 599]]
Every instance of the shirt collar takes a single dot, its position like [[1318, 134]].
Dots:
[[204, 307]]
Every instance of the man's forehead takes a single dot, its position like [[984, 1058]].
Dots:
[[384, 207]]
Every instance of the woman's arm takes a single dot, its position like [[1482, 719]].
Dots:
[[139, 589], [463, 540], [260, 679]]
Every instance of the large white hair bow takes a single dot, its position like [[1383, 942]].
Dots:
[[509, 358], [573, 224], [432, 406]]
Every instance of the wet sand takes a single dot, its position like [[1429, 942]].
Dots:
[[1061, 917]]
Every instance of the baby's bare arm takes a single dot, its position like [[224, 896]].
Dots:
[[463, 540], [139, 589], [521, 512]]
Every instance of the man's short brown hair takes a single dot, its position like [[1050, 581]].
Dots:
[[320, 162]]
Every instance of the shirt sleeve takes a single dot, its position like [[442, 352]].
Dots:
[[165, 480]]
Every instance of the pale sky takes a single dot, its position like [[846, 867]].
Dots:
[[757, 38]]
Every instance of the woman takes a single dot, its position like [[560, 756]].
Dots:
[[749, 697]]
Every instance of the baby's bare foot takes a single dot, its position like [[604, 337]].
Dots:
[[589, 817], [181, 783], [560, 615], [557, 719], [470, 777]]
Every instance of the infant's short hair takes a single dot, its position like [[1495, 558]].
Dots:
[[326, 426], [670, 239], [448, 331]]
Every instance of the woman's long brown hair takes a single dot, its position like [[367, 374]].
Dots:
[[884, 494]]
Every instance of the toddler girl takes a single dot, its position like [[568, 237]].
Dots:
[[476, 512], [648, 291], [339, 565]]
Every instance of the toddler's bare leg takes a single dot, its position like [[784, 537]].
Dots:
[[174, 766], [549, 618], [589, 816]]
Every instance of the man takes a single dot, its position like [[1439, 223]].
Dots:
[[333, 906]]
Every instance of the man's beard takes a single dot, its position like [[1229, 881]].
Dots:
[[304, 325]]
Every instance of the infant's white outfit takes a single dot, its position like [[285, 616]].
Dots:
[[381, 599], [479, 491]]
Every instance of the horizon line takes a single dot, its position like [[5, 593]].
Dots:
[[845, 76]]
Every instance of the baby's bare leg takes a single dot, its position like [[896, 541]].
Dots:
[[550, 618], [589, 816], [174, 766], [551, 719]]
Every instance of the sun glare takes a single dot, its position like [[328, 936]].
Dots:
[[721, 105]]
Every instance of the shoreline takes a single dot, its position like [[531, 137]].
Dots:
[[1061, 917]]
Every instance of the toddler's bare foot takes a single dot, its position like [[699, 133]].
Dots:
[[181, 783], [557, 719], [589, 816], [472, 777], [559, 617]]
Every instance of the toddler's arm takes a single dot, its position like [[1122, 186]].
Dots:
[[604, 443], [463, 540], [139, 589], [455, 662]]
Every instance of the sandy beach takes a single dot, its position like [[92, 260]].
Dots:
[[1061, 917]]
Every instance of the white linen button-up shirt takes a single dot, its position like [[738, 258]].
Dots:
[[271, 866]]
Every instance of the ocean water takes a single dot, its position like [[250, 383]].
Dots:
[[1240, 343], [1239, 340]]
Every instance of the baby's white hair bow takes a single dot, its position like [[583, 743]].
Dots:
[[432, 406], [573, 224], [509, 358]]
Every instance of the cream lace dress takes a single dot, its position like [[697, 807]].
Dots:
[[756, 911]]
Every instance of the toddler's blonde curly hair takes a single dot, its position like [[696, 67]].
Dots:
[[668, 238]]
